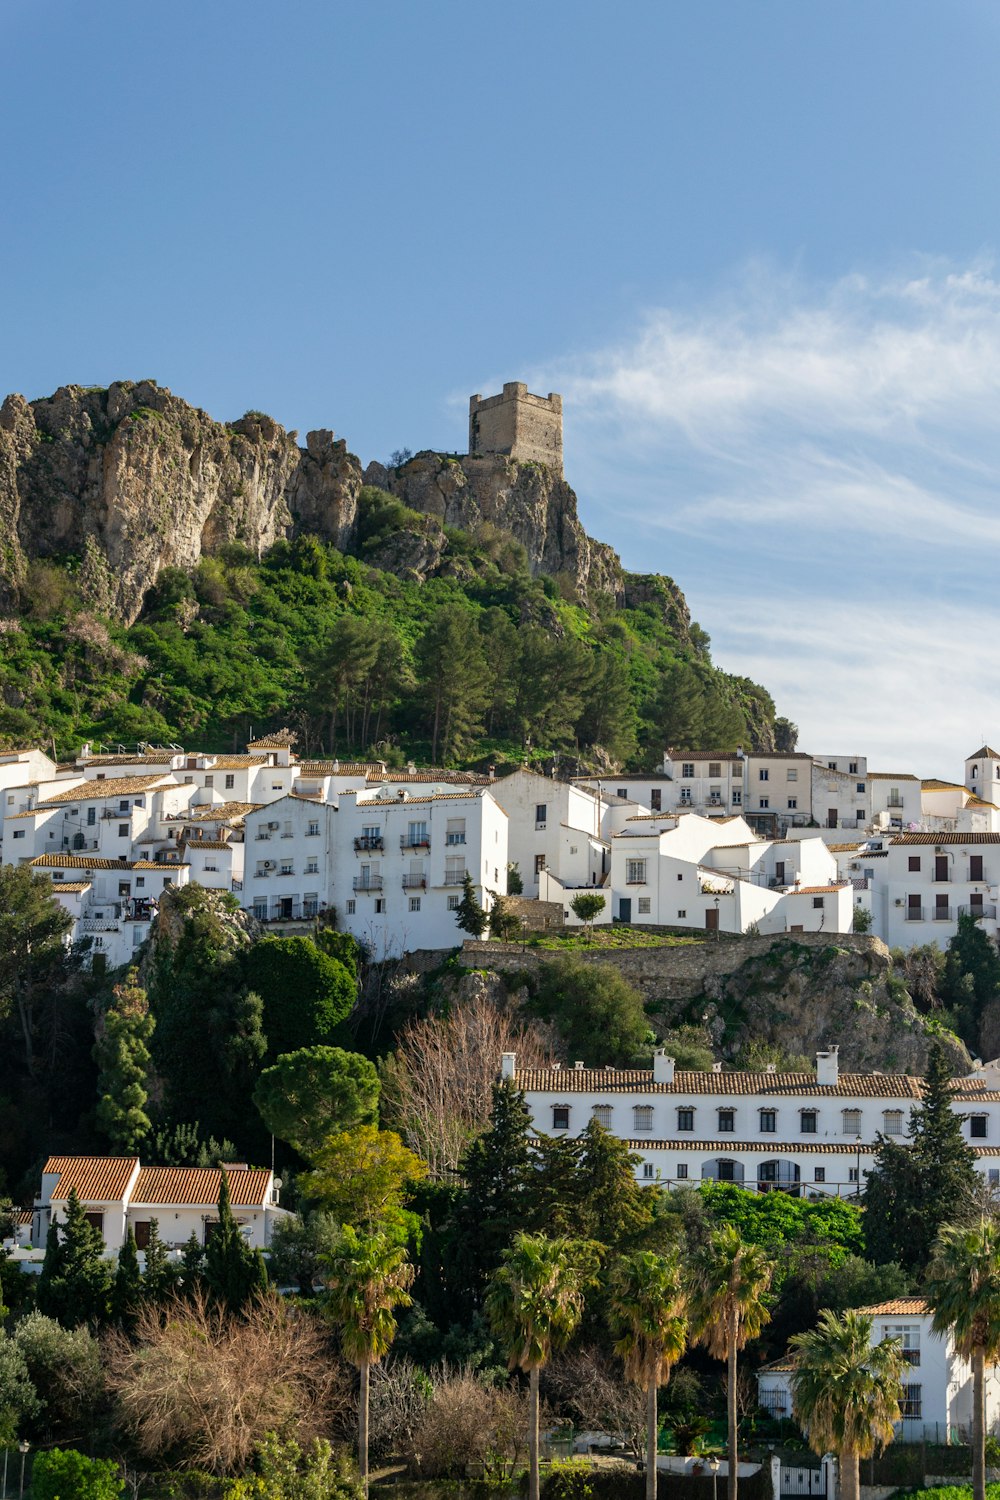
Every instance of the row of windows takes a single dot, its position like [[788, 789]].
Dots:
[[414, 903], [893, 1120]]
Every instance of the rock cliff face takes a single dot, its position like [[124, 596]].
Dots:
[[131, 480], [136, 477], [526, 499]]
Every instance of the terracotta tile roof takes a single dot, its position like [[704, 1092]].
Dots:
[[97, 1179], [765, 1085], [239, 763], [415, 801], [75, 887], [452, 778], [113, 786], [726, 1146], [208, 844], [143, 758], [31, 812], [23, 1216], [983, 753], [783, 1366], [95, 862], [892, 776], [932, 784], [724, 755], [283, 739], [873, 854], [340, 767], [844, 848], [946, 838], [222, 812], [200, 1185], [817, 890], [914, 1307]]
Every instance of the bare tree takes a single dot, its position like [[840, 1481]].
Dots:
[[202, 1387], [436, 1087], [597, 1396], [470, 1424], [400, 1393]]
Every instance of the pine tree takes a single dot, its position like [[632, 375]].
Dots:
[[234, 1273], [75, 1284], [192, 1264], [615, 1209], [912, 1190], [469, 915], [158, 1276], [126, 1294], [122, 1056]]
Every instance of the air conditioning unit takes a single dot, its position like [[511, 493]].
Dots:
[[269, 864], [272, 825]]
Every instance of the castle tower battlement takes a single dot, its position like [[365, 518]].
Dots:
[[518, 425]]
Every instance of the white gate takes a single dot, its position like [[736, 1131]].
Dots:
[[806, 1480]]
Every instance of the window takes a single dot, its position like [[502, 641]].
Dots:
[[818, 903], [685, 798], [19, 833], [312, 829], [714, 768], [978, 1127], [852, 768], [352, 907], [642, 1119], [852, 1174], [764, 774], [623, 792], [416, 833], [860, 786], [819, 1174], [260, 909], [96, 1221], [287, 868], [140, 881], [764, 802], [727, 1120], [560, 1117], [647, 1169], [791, 774], [682, 1171], [541, 813], [312, 865], [123, 830], [230, 782], [852, 1121], [807, 1122], [455, 831], [793, 803], [682, 914], [831, 765], [380, 906], [539, 863], [91, 816], [726, 1171], [975, 867], [645, 906], [635, 872], [737, 797], [768, 1121], [913, 863], [892, 1122], [908, 1335], [602, 1114], [912, 1404], [994, 1176], [310, 904], [685, 1119], [414, 903], [687, 768], [655, 800], [454, 902]]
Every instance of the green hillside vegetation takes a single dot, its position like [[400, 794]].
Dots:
[[481, 662]]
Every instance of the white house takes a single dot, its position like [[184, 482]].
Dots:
[[841, 791], [925, 881], [112, 901], [715, 874], [562, 828], [807, 1134], [118, 1193], [896, 800], [288, 855], [937, 1388]]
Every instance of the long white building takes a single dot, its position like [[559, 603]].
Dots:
[[811, 1135]]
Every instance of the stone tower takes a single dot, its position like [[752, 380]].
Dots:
[[518, 425]]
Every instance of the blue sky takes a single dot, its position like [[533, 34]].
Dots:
[[753, 244]]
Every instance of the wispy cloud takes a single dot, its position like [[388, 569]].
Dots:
[[820, 470]]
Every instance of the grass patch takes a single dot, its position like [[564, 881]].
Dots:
[[610, 938]]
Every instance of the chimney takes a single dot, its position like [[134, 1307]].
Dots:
[[507, 1062], [663, 1066], [578, 1067], [827, 1068]]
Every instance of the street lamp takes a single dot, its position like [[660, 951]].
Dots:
[[716, 919], [524, 933], [713, 1464], [857, 1167], [22, 1448]]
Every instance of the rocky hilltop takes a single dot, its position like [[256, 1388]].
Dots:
[[131, 480]]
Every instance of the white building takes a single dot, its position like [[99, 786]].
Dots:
[[716, 875], [288, 853], [937, 1388], [806, 1134], [112, 901], [841, 792], [118, 1193], [562, 830], [896, 800], [925, 881]]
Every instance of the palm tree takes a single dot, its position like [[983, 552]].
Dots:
[[367, 1279], [647, 1312], [535, 1303], [728, 1307], [846, 1391], [963, 1288]]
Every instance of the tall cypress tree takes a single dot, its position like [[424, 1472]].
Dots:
[[126, 1293], [75, 1284], [234, 1273], [158, 1275], [122, 1054], [498, 1175], [914, 1189]]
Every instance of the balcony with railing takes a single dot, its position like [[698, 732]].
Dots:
[[368, 842], [989, 912], [367, 882], [454, 877], [414, 882], [915, 914], [943, 913], [414, 841]]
